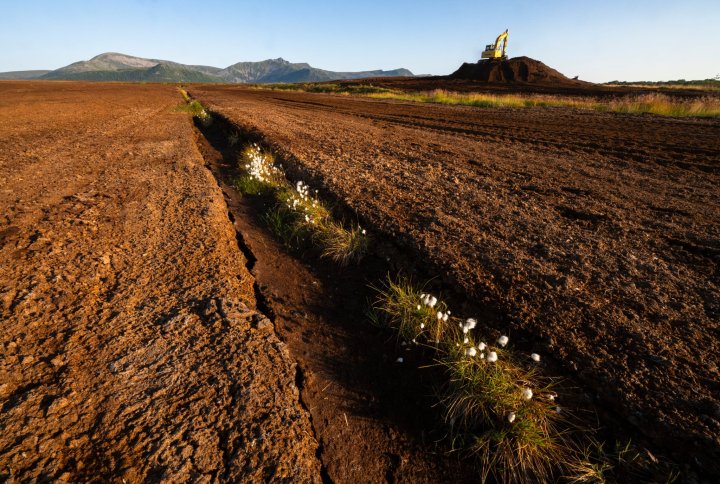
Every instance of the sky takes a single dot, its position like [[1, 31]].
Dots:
[[599, 41]]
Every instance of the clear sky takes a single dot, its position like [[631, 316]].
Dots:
[[599, 40]]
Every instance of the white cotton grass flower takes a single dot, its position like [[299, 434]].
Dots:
[[467, 340], [422, 325], [419, 307], [471, 351], [446, 316], [433, 301], [535, 357], [482, 356], [468, 325], [439, 315], [527, 393], [511, 417], [492, 357], [503, 340], [482, 346], [400, 359]]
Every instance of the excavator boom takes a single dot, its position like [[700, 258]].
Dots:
[[493, 51]]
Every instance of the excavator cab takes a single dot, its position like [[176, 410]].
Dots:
[[493, 51]]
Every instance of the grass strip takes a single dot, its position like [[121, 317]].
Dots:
[[298, 217], [650, 103]]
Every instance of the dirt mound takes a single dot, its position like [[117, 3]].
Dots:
[[517, 69]]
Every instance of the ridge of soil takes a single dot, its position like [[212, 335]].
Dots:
[[131, 348], [574, 88], [596, 233]]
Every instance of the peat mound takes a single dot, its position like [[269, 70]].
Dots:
[[515, 70]]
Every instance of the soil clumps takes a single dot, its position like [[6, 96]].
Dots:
[[517, 69]]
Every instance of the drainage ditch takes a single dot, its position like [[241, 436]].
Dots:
[[373, 417], [371, 409]]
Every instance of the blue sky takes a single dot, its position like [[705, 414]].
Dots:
[[597, 40]]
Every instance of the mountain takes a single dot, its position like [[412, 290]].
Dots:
[[280, 70], [113, 66], [20, 75]]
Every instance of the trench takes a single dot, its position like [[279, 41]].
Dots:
[[373, 418]]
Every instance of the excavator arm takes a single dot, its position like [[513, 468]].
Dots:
[[502, 38], [493, 51]]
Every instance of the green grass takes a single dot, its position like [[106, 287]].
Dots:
[[342, 245], [650, 103], [285, 225], [704, 85], [248, 185], [397, 306], [184, 94], [194, 107], [298, 217], [479, 396]]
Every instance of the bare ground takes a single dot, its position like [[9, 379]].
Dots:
[[134, 347], [131, 348], [597, 234]]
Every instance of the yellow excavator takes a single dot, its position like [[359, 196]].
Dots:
[[493, 51]]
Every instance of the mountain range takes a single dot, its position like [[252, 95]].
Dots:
[[112, 66]]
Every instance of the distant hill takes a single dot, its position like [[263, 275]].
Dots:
[[113, 66], [22, 75]]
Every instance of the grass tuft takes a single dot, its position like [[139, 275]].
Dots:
[[248, 185], [298, 217], [497, 408], [343, 245]]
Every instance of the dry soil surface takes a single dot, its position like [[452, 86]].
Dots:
[[130, 347], [596, 234]]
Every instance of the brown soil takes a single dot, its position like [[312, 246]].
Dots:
[[515, 70], [596, 234], [373, 417], [572, 88], [130, 346]]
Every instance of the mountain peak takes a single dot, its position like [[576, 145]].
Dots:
[[110, 66]]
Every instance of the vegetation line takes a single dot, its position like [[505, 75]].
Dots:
[[297, 216], [652, 103]]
